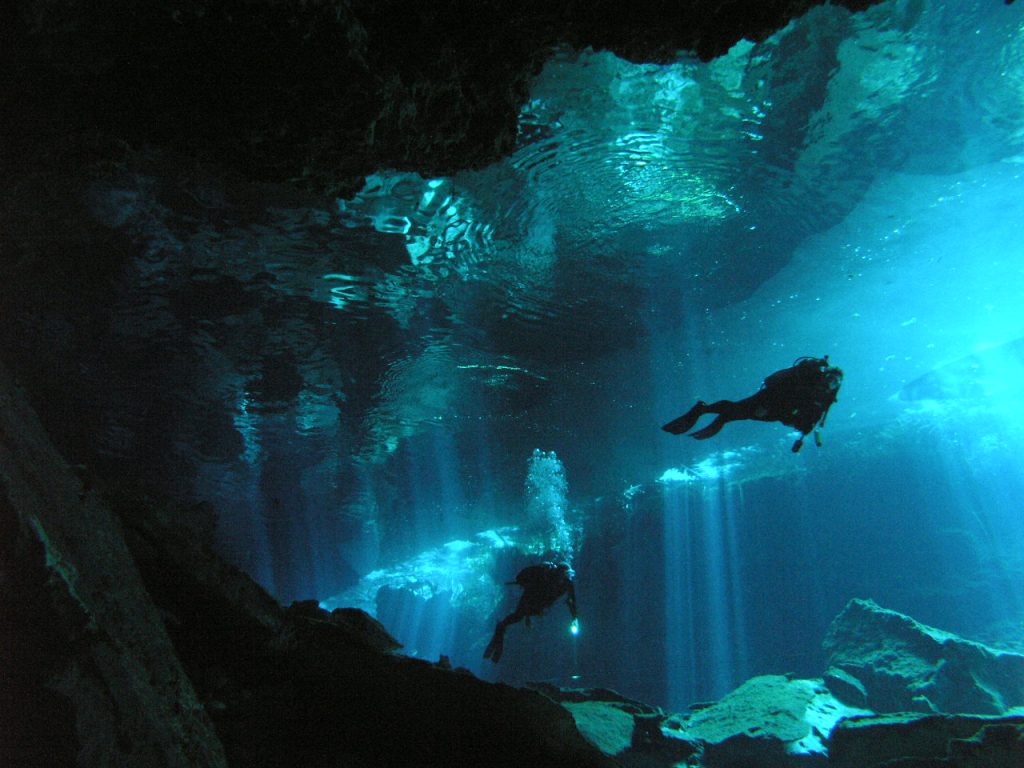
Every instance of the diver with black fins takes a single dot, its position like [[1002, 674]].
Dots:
[[798, 396], [542, 585]]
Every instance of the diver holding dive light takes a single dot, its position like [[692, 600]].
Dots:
[[542, 585]]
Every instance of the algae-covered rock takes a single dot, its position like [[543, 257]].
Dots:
[[768, 721], [904, 665], [769, 705]]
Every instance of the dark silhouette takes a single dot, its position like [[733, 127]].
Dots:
[[542, 585], [798, 397]]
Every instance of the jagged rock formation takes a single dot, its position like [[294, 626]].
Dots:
[[630, 731], [321, 92], [890, 663], [779, 721], [953, 741]]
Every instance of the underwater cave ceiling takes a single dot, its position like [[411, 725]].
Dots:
[[319, 94], [171, 168]]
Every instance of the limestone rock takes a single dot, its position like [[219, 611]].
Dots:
[[311, 696], [846, 687], [768, 721], [604, 725], [928, 741], [997, 744], [358, 626], [635, 734], [903, 665]]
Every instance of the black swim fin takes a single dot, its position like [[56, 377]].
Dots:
[[711, 429], [685, 422], [496, 647]]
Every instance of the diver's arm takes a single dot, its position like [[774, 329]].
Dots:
[[821, 421], [571, 599], [833, 396]]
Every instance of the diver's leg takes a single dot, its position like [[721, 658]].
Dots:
[[685, 422], [496, 647], [757, 407], [726, 410], [711, 429]]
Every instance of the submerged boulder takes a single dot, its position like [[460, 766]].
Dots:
[[771, 720], [633, 733], [775, 721], [604, 724], [892, 663], [929, 741]]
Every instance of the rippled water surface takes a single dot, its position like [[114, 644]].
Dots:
[[634, 185]]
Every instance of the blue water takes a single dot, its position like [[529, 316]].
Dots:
[[361, 390]]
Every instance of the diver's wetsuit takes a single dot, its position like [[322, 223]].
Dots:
[[799, 397], [542, 585]]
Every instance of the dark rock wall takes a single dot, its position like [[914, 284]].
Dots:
[[38, 623], [85, 643], [132, 644]]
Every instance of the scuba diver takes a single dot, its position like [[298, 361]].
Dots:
[[799, 397], [542, 585]]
